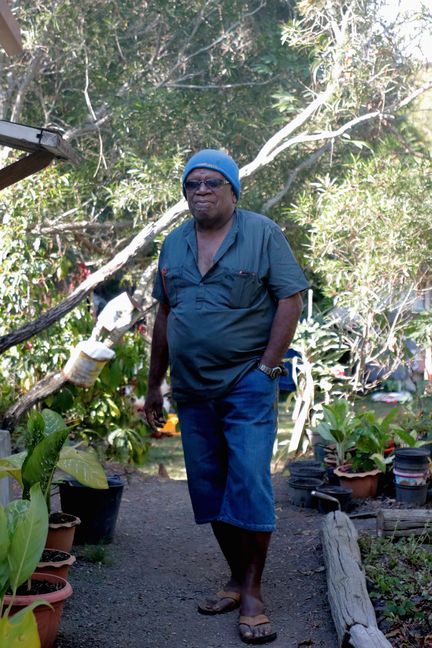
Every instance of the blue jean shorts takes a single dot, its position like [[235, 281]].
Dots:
[[228, 444]]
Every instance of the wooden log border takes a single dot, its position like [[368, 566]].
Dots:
[[352, 611]]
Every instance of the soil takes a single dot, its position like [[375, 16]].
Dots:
[[52, 555], [145, 593]]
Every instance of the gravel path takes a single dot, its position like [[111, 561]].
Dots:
[[161, 563]]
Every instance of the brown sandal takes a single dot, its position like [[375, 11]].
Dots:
[[253, 622], [207, 606]]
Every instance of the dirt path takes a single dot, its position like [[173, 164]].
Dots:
[[161, 563]]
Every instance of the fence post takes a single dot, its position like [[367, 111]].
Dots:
[[5, 450]]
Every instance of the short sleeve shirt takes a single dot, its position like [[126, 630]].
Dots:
[[219, 324]]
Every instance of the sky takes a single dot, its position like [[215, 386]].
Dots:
[[419, 41]]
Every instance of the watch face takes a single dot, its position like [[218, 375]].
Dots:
[[276, 372]]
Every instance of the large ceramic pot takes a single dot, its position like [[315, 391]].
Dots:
[[47, 616], [362, 484]]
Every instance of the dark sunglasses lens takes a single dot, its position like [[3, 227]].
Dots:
[[211, 183], [192, 185], [214, 183]]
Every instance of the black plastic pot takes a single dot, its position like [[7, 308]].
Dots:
[[411, 458], [300, 488], [343, 497], [306, 469], [97, 509], [412, 494]]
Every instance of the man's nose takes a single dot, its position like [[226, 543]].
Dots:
[[202, 187]]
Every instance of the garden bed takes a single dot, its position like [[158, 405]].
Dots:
[[399, 581]]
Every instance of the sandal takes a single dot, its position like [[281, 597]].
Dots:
[[253, 622], [210, 606]]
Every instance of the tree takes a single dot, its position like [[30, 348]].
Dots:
[[137, 75]]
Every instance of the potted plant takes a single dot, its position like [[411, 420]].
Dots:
[[337, 427], [26, 619], [372, 437], [46, 451]]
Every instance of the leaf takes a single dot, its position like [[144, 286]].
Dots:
[[12, 465], [20, 630], [28, 521], [4, 549], [83, 466], [54, 422], [41, 464]]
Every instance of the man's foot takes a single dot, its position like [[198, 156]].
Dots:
[[256, 629], [223, 602]]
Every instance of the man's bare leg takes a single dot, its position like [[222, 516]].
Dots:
[[245, 552]]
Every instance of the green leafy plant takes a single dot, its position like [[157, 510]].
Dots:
[[23, 533], [338, 426], [372, 437], [46, 451]]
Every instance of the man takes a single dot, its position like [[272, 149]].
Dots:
[[229, 292]]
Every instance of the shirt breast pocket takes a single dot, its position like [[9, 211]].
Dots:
[[244, 288]]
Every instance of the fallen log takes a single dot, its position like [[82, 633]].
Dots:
[[399, 523], [352, 610]]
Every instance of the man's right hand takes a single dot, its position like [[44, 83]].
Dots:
[[153, 409]]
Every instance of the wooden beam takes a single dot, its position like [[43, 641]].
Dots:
[[10, 36], [352, 611], [24, 167]]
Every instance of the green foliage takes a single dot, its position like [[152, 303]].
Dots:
[[24, 530], [373, 437], [338, 426], [399, 575], [23, 533], [370, 241], [47, 452], [360, 440], [104, 414]]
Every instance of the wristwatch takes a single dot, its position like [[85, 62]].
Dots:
[[272, 372]]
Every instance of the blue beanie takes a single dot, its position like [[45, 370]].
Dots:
[[217, 161]]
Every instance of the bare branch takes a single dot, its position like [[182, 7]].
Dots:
[[216, 86], [32, 71], [306, 164]]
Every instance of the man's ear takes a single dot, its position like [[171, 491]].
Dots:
[[234, 197]]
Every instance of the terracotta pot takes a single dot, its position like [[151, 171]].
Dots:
[[61, 531], [54, 561], [362, 484], [47, 618]]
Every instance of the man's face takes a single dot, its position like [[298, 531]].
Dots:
[[210, 207]]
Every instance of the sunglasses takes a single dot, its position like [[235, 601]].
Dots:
[[210, 183]]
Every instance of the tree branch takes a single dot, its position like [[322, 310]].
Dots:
[[306, 164]]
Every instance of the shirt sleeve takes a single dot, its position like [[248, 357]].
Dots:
[[285, 277], [159, 291]]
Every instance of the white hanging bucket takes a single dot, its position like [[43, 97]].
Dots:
[[86, 362]]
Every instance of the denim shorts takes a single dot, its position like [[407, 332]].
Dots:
[[228, 444]]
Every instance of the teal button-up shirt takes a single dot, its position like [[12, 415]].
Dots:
[[219, 324]]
